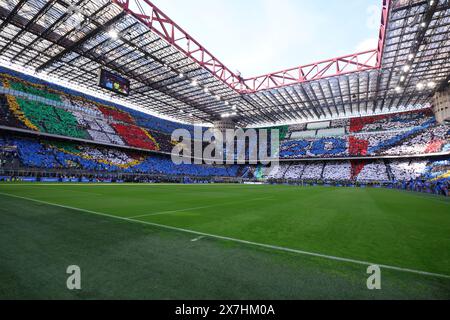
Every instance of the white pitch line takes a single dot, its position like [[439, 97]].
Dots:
[[256, 244], [85, 192], [197, 208], [168, 212], [197, 239], [87, 184]]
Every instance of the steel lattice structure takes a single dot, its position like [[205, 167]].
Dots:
[[174, 75]]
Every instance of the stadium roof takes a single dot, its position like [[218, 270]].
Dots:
[[173, 75]]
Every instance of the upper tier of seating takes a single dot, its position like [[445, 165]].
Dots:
[[50, 119], [388, 122], [35, 86], [419, 135]]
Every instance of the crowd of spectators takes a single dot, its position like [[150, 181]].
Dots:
[[294, 171], [44, 154], [433, 139], [49, 119], [136, 137], [7, 156], [55, 92], [373, 171], [313, 171], [366, 124], [423, 175], [390, 122], [411, 133], [73, 114], [337, 171], [363, 170], [438, 187], [426, 138], [404, 170], [77, 118], [77, 115]]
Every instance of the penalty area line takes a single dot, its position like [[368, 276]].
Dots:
[[198, 208], [251, 243]]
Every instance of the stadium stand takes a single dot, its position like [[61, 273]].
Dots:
[[20, 82], [34, 105], [294, 171], [380, 171], [77, 117], [80, 116], [337, 171], [407, 170], [374, 171], [312, 171], [408, 134], [48, 119], [136, 136], [51, 154]]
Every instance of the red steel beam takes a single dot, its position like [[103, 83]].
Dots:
[[150, 15], [357, 62], [319, 70], [146, 12], [382, 34]]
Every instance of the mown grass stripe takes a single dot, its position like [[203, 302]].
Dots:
[[251, 243]]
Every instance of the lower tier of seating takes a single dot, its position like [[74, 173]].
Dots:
[[364, 170], [46, 154]]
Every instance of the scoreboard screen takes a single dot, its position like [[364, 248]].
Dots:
[[114, 82]]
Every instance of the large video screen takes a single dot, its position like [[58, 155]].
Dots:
[[114, 82]]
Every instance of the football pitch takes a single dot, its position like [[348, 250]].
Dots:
[[221, 242]]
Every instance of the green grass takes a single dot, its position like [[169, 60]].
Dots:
[[127, 259]]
